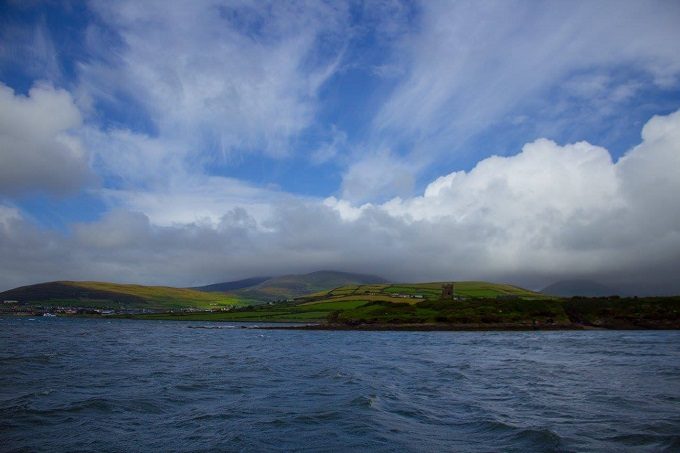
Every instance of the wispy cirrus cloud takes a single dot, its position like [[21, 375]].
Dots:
[[220, 77], [33, 48], [473, 64]]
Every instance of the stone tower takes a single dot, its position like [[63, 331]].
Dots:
[[447, 291]]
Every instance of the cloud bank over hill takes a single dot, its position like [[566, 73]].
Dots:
[[549, 212]]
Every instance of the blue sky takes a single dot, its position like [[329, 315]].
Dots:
[[192, 142]]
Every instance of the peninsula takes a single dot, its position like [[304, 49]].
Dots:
[[359, 303]]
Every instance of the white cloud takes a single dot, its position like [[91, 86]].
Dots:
[[187, 199], [547, 213], [543, 181], [127, 159], [347, 211], [378, 175], [161, 179], [650, 175], [38, 150], [8, 214], [563, 208]]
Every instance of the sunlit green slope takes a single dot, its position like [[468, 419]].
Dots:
[[114, 295], [429, 291]]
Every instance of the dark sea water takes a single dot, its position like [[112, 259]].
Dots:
[[86, 384]]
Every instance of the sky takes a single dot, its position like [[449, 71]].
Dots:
[[192, 142]]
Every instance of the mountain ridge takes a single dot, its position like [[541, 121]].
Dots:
[[295, 285], [106, 295], [231, 285], [238, 293]]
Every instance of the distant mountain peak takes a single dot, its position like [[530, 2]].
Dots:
[[292, 285], [232, 285]]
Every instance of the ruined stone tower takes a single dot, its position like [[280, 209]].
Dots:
[[447, 291]]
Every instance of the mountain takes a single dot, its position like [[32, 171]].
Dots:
[[231, 286], [113, 295], [290, 286], [227, 294], [587, 288]]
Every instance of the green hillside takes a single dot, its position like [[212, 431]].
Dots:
[[394, 302], [114, 295], [416, 292], [476, 305], [104, 295], [292, 286], [276, 312]]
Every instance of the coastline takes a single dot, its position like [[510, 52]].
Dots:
[[440, 327], [378, 326]]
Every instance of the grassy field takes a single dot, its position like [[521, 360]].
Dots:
[[390, 302], [477, 311], [606, 312], [319, 311], [341, 308], [429, 291]]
